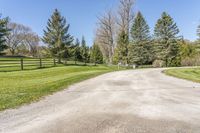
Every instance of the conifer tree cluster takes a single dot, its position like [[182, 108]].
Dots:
[[127, 36], [123, 38], [62, 45], [144, 49]]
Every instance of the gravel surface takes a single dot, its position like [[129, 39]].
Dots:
[[135, 101]]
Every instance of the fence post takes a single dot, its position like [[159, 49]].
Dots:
[[22, 64], [40, 63], [54, 62]]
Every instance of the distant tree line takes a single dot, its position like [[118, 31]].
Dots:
[[62, 45], [124, 37], [121, 37], [19, 40]]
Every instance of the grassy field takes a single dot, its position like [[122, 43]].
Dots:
[[20, 87], [192, 74]]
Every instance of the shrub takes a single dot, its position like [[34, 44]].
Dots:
[[191, 61]]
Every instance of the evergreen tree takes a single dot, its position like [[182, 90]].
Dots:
[[121, 51], [89, 54], [198, 32], [96, 55], [84, 51], [141, 50], [57, 37], [77, 51], [165, 33], [3, 32]]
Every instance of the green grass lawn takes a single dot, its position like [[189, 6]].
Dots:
[[192, 74], [20, 87]]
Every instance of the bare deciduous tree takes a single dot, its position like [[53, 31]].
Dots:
[[105, 35], [16, 36], [22, 38], [125, 15], [124, 20], [32, 41]]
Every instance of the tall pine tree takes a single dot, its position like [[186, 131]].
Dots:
[[140, 51], [56, 35], [165, 33], [77, 51], [84, 51], [3, 32]]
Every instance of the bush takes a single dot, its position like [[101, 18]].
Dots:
[[191, 61], [159, 63]]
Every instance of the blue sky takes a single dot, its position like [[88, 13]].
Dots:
[[82, 14]]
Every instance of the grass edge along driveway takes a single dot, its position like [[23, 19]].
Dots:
[[192, 74], [22, 87]]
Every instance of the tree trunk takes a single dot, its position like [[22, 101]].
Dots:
[[65, 61], [75, 61], [12, 51], [59, 60], [166, 61]]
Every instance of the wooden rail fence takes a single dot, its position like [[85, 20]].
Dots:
[[9, 63]]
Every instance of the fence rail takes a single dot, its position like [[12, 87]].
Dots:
[[9, 63]]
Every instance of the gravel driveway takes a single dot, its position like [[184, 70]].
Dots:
[[135, 101]]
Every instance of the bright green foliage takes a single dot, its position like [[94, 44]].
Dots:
[[77, 51], [140, 52], [96, 55], [3, 32], [197, 47], [187, 49], [57, 37], [165, 32], [121, 51], [189, 53], [84, 51]]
